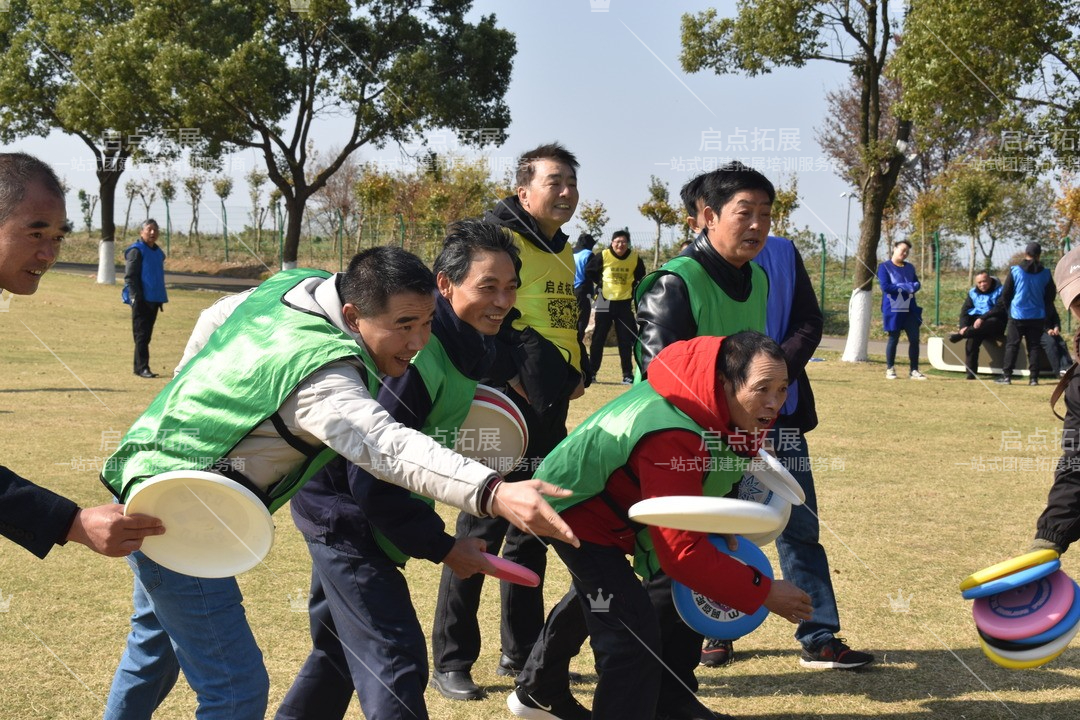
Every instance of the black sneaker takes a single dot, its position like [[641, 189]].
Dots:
[[628, 380], [717, 652], [524, 705], [956, 337], [835, 655], [1033, 381], [690, 709], [1003, 380], [507, 667]]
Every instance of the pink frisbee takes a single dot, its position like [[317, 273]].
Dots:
[[1027, 610], [512, 572]]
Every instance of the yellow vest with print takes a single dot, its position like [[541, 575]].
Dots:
[[617, 280], [545, 298]]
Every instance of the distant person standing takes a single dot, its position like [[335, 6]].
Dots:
[[584, 288], [617, 271], [144, 290], [899, 311], [980, 319], [1028, 295]]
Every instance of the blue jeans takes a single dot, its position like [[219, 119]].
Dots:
[[365, 634], [802, 558], [192, 624]]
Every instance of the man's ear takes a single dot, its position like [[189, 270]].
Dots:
[[352, 316], [442, 281], [709, 215]]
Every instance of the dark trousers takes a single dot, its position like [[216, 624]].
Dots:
[[621, 313], [1031, 332], [455, 637], [366, 638], [625, 638], [584, 306], [911, 327], [143, 316], [991, 329], [680, 647]]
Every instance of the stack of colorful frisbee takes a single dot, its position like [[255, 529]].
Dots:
[[494, 432], [1027, 610]]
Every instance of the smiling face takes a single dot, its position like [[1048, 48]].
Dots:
[[396, 334], [754, 406], [620, 245], [983, 282], [30, 239], [739, 230], [551, 197], [486, 294]]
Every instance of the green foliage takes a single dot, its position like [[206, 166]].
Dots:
[[658, 209], [223, 187], [592, 217], [786, 202], [256, 75], [1016, 60]]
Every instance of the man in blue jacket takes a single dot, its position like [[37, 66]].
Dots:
[[1028, 296], [584, 288], [980, 319], [144, 290]]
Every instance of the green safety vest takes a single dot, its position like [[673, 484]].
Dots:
[[241, 377], [602, 444], [451, 394]]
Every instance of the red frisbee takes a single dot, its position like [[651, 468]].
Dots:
[[512, 572]]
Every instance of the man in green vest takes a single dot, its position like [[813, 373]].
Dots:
[[690, 429], [540, 365], [360, 531], [276, 381], [616, 270]]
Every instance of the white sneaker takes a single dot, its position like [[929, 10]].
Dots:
[[916, 375], [890, 374]]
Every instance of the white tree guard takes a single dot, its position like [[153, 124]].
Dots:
[[289, 265], [106, 269], [858, 326]]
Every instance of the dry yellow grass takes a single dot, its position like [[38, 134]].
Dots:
[[906, 510]]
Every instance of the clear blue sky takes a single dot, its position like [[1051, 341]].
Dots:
[[608, 85]]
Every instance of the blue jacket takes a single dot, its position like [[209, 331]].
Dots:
[[581, 259], [898, 288], [980, 304], [144, 276], [778, 260]]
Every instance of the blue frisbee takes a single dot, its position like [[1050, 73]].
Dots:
[[713, 619], [1013, 581]]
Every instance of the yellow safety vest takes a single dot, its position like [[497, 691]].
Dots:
[[617, 280], [545, 298]]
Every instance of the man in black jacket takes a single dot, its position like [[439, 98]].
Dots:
[[540, 365], [33, 222], [980, 319]]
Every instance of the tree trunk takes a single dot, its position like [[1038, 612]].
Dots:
[[108, 179], [971, 263], [656, 249], [294, 223], [859, 310]]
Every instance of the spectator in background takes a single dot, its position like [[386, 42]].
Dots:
[[1028, 297], [144, 290], [899, 311], [980, 319], [617, 271], [584, 289]]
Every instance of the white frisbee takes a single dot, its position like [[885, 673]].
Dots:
[[214, 527], [779, 479], [496, 397], [707, 514], [492, 436], [752, 489]]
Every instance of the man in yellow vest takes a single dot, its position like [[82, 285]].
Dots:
[[616, 271], [539, 365]]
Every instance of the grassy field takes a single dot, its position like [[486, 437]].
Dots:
[[919, 484]]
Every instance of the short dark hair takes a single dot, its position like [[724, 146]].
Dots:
[[378, 273], [150, 221], [691, 193], [983, 272], [585, 241], [464, 240], [739, 350], [621, 233], [17, 171], [551, 151], [900, 242], [720, 185]]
